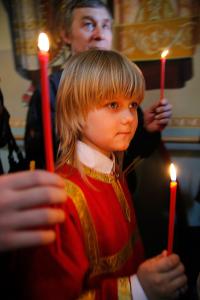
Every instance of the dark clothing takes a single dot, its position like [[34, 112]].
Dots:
[[34, 145], [15, 156], [4, 122], [143, 144]]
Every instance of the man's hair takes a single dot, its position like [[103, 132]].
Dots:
[[89, 78], [69, 7]]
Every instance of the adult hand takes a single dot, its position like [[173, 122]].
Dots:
[[162, 277], [157, 116], [27, 204]]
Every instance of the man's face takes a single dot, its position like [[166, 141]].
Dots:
[[91, 28]]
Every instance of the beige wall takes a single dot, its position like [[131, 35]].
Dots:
[[12, 84], [185, 101]]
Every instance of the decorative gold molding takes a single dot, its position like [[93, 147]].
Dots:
[[182, 122], [193, 122], [145, 41], [144, 28], [182, 139]]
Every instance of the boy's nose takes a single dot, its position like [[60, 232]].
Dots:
[[128, 116]]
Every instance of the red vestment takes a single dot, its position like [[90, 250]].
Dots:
[[100, 244]]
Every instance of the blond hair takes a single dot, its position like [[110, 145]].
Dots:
[[88, 79]]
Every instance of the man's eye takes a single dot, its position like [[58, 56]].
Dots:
[[133, 105], [89, 26], [107, 26]]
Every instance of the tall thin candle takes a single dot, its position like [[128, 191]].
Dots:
[[43, 56], [162, 73], [172, 209]]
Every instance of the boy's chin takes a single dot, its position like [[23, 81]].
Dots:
[[122, 148]]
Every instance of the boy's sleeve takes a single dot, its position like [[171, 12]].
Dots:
[[136, 289]]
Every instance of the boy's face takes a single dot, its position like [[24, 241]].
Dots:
[[111, 126], [91, 28]]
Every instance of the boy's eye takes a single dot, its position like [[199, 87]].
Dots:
[[113, 105], [133, 105]]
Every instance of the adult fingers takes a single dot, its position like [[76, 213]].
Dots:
[[31, 218], [32, 197], [15, 240], [161, 104], [163, 101], [163, 115], [163, 121], [27, 179], [164, 109]]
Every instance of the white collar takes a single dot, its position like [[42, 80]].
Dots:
[[94, 159]]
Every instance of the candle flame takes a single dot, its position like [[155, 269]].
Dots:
[[164, 53], [43, 42], [172, 172]]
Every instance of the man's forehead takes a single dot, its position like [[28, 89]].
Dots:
[[96, 13]]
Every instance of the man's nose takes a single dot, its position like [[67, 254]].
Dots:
[[98, 32]]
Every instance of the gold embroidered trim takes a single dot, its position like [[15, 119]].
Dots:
[[124, 289], [90, 295], [99, 265], [109, 264], [80, 203], [109, 178], [122, 199]]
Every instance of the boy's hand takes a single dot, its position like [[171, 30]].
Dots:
[[163, 277]]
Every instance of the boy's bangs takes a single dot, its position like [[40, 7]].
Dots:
[[114, 79], [122, 83]]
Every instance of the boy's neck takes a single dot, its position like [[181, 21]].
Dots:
[[94, 158]]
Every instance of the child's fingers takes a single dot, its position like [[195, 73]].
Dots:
[[166, 263], [179, 283], [176, 272]]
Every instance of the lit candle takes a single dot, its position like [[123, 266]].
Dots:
[[43, 56], [162, 73], [172, 209]]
